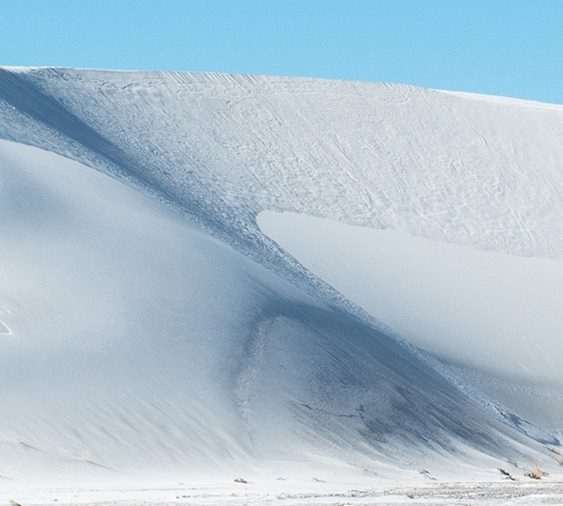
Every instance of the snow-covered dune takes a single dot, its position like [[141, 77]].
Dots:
[[138, 343], [149, 326]]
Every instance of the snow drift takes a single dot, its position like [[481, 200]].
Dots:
[[150, 327]]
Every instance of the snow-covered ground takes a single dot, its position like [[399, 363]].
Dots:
[[316, 286], [301, 493]]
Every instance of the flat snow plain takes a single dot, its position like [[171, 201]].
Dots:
[[340, 292]]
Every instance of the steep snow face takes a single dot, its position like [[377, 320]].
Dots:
[[137, 345]]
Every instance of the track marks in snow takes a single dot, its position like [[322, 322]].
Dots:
[[4, 329], [247, 380]]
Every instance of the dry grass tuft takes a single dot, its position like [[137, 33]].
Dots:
[[504, 472], [537, 473]]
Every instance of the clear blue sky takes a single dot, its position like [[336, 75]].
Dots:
[[503, 47]]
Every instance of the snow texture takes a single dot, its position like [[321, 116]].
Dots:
[[151, 331]]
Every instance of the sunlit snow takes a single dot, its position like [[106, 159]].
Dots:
[[305, 285]]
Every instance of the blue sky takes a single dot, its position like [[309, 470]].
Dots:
[[503, 47]]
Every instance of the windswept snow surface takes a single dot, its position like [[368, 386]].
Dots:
[[151, 331]]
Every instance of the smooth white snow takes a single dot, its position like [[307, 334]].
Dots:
[[127, 327], [141, 347]]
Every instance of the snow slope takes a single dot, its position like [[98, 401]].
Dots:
[[139, 344], [457, 168], [494, 318], [150, 328]]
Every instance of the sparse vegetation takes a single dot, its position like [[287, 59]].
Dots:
[[504, 472], [426, 474], [537, 473]]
